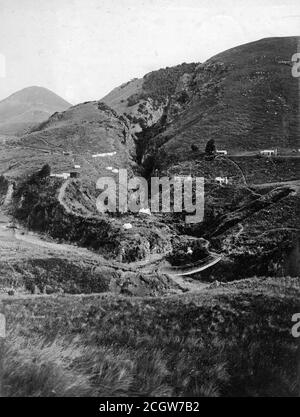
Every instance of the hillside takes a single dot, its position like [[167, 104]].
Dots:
[[27, 107], [144, 100], [71, 138], [115, 304], [244, 98]]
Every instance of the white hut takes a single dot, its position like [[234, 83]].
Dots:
[[222, 180], [269, 152], [64, 175]]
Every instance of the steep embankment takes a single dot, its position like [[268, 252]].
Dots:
[[261, 238], [144, 101]]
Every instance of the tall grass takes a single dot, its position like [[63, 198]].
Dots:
[[229, 341], [33, 368], [190, 366]]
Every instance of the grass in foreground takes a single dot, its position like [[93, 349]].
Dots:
[[233, 340]]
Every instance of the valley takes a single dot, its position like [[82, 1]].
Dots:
[[149, 304]]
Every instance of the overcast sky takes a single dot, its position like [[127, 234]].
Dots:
[[81, 49]]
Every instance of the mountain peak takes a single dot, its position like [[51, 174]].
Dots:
[[27, 107], [33, 93]]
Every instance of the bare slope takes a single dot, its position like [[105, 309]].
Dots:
[[27, 107]]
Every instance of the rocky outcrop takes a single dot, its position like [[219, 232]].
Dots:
[[146, 101], [4, 187]]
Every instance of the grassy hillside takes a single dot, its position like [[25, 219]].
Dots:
[[71, 138], [233, 340], [245, 99]]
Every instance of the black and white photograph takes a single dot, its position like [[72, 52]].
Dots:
[[149, 201]]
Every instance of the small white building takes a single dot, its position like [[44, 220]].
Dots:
[[222, 152], [64, 175], [189, 251], [102, 155], [127, 226], [269, 152], [145, 211], [222, 180], [77, 166]]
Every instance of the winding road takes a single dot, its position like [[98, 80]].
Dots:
[[191, 269]]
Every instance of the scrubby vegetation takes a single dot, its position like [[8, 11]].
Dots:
[[258, 169], [3, 188], [210, 147], [61, 275], [258, 113], [162, 83], [36, 204], [187, 251]]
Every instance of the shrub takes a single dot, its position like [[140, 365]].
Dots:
[[210, 147], [186, 252]]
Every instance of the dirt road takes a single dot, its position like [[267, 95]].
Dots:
[[293, 184]]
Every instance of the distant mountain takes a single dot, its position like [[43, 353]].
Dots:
[[27, 107], [244, 98]]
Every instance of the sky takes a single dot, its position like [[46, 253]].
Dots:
[[82, 49]]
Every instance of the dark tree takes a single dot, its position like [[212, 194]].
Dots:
[[210, 148], [45, 171], [194, 148]]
